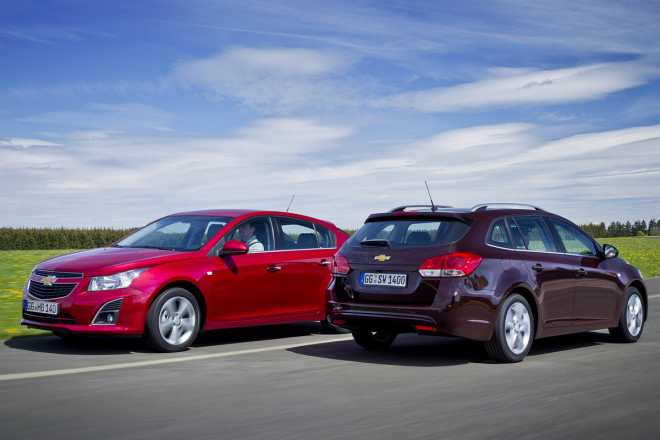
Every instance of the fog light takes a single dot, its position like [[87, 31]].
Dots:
[[109, 313], [336, 307]]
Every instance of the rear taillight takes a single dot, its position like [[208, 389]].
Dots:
[[340, 264], [450, 265]]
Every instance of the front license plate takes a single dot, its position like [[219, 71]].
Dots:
[[49, 308], [383, 279]]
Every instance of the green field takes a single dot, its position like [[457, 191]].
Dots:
[[15, 266], [641, 252]]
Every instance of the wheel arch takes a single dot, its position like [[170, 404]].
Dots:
[[194, 290], [531, 299], [639, 285]]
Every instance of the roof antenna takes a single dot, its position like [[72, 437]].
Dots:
[[433, 208], [287, 208]]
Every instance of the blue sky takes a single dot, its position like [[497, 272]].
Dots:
[[115, 113]]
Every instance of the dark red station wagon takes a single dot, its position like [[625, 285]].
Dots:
[[500, 273], [189, 272]]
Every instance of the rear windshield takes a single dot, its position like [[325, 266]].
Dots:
[[177, 233], [411, 233]]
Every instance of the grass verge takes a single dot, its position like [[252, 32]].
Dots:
[[15, 266]]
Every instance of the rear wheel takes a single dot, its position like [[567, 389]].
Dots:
[[514, 331], [330, 328], [631, 318], [371, 340], [172, 321]]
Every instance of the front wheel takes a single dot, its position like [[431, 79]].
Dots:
[[514, 331], [631, 318], [172, 321], [377, 340]]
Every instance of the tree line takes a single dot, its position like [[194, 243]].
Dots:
[[25, 239], [627, 229]]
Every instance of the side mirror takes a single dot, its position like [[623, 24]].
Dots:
[[610, 251], [233, 247]]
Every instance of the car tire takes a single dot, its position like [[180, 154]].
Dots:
[[631, 318], [173, 321], [68, 336], [514, 331], [371, 340], [330, 328]]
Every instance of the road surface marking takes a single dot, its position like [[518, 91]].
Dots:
[[17, 376], [654, 296]]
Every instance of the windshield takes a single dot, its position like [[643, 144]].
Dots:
[[177, 233], [409, 233]]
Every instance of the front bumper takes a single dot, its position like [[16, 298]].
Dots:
[[457, 310], [78, 310]]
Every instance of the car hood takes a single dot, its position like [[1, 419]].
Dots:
[[105, 261]]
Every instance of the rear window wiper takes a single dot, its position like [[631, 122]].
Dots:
[[375, 242]]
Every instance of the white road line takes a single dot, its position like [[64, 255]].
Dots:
[[17, 376], [654, 296]]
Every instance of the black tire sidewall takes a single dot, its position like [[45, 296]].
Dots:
[[623, 325], [153, 332], [500, 331]]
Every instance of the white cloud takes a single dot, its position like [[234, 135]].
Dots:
[[577, 84], [113, 179], [26, 143], [282, 79]]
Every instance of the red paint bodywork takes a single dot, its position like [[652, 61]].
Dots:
[[232, 290]]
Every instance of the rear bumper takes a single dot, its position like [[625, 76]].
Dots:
[[463, 312]]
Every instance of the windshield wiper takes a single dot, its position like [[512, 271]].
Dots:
[[149, 247], [375, 242]]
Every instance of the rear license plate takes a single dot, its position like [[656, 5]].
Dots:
[[49, 308], [383, 279]]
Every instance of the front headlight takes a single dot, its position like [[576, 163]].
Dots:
[[120, 280]]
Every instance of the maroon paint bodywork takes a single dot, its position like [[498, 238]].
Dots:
[[564, 300], [232, 290]]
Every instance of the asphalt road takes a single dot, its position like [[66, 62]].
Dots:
[[291, 382]]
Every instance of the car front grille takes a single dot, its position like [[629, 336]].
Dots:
[[44, 291], [63, 318], [57, 273]]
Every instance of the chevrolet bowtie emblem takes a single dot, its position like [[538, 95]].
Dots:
[[48, 281], [382, 257]]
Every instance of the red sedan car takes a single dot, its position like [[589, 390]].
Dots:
[[186, 273]]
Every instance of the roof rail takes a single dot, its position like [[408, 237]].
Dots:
[[419, 207], [486, 206]]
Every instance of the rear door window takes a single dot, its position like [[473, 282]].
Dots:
[[298, 234], [535, 234], [411, 233], [325, 237]]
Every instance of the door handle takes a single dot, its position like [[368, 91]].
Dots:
[[537, 267], [582, 273], [324, 263], [273, 269]]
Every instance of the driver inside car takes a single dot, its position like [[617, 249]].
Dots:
[[246, 235]]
